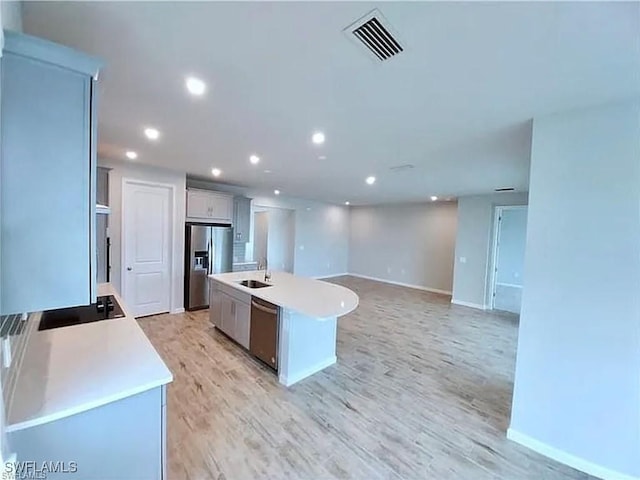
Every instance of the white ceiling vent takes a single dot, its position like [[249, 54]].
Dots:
[[375, 34]]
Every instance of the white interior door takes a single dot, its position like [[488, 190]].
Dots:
[[146, 272], [509, 258]]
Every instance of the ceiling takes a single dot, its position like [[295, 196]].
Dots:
[[457, 103]]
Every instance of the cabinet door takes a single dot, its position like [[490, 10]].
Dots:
[[243, 323], [199, 205], [215, 305], [242, 218], [221, 207], [228, 315], [47, 174]]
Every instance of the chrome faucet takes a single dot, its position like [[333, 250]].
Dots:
[[263, 266]]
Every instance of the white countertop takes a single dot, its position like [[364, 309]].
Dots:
[[314, 298], [73, 369]]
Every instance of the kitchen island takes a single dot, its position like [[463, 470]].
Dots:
[[308, 311]]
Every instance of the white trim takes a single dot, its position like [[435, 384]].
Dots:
[[333, 275], [462, 303], [509, 285], [172, 216], [401, 284], [178, 310], [307, 372], [566, 458]]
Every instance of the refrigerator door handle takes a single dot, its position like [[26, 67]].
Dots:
[[210, 255]]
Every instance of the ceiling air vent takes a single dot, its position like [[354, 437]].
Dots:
[[505, 189], [374, 32]]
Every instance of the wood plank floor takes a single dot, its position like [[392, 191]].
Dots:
[[422, 390]]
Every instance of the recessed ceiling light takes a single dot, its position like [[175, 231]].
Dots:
[[195, 86], [267, 171], [152, 133], [131, 155], [254, 159], [434, 198], [371, 180], [277, 192], [318, 138], [322, 157], [347, 203], [216, 172]]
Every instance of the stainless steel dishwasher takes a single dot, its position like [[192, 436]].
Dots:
[[263, 340]]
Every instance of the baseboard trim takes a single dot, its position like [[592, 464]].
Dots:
[[178, 310], [462, 303], [333, 275], [307, 372], [566, 458], [401, 284]]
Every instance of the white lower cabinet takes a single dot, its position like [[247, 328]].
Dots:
[[230, 312], [123, 439]]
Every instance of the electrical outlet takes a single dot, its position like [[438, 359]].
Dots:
[[403, 271], [388, 269], [463, 259]]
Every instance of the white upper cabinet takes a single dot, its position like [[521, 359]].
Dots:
[[48, 162], [206, 206]]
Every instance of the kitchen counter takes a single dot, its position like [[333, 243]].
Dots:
[[313, 298], [70, 370]]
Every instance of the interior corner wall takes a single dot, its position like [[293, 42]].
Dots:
[[577, 380], [410, 244], [473, 255], [120, 170]]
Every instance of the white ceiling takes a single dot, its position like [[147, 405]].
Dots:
[[456, 104]]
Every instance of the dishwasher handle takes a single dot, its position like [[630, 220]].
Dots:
[[262, 308]]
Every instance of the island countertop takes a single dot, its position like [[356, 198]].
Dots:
[[73, 369], [314, 298]]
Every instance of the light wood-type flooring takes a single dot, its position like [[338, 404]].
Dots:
[[422, 390]]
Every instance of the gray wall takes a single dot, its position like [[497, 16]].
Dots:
[[408, 243], [132, 170], [473, 245], [577, 381]]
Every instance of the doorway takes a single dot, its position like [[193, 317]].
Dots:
[[509, 242], [274, 238], [147, 213]]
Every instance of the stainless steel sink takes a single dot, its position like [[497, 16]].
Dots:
[[253, 284]]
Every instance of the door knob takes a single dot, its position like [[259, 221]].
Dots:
[[129, 269]]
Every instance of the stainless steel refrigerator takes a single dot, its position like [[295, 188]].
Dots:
[[208, 249]]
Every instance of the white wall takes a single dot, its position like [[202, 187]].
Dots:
[[280, 239], [120, 170], [577, 381], [408, 243], [473, 255]]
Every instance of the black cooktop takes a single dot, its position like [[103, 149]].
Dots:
[[105, 308]]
